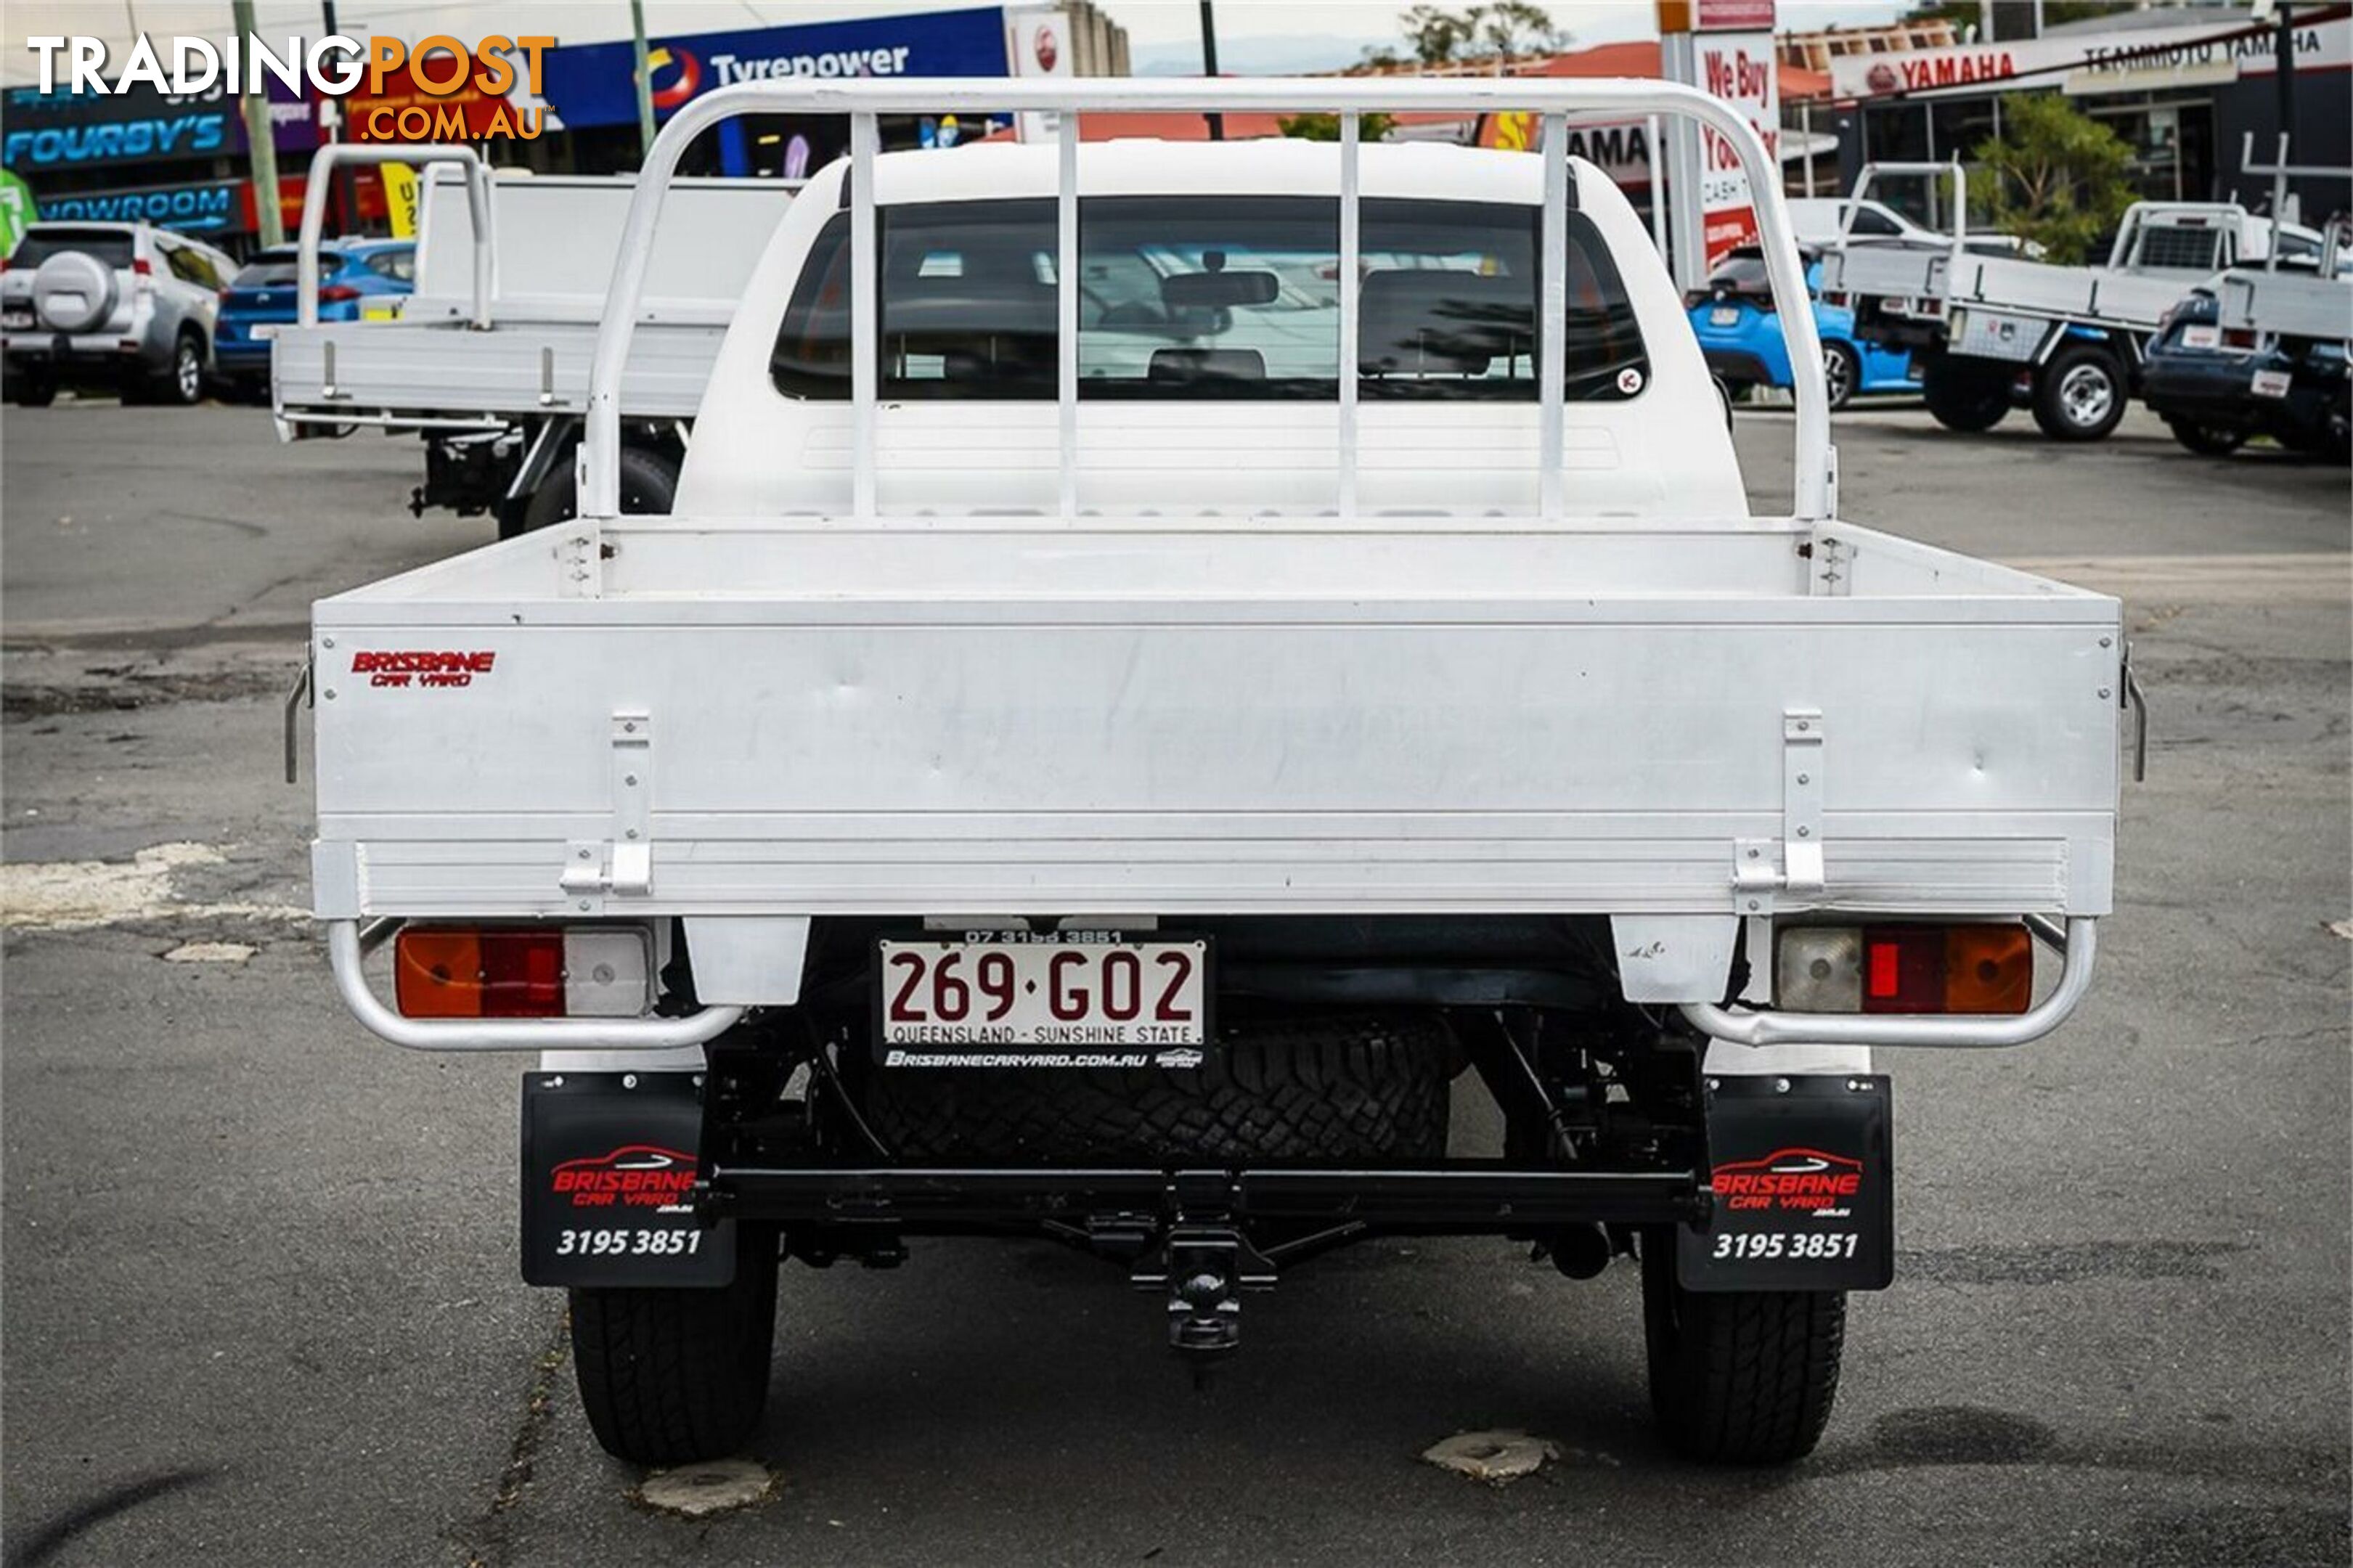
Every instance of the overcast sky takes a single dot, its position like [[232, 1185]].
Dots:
[[1164, 35]]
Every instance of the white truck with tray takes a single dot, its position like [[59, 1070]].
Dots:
[[1164, 657], [488, 359], [1988, 329]]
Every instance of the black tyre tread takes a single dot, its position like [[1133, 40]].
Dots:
[[649, 483], [1327, 1087], [671, 1378], [2206, 440], [1963, 398], [1745, 1377]]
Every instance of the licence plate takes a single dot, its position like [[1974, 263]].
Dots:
[[2201, 337], [1723, 316], [15, 320], [991, 999], [1803, 1173], [264, 331], [2270, 383]]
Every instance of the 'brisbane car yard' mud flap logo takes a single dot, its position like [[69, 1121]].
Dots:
[[635, 1176], [1805, 1179], [423, 666]]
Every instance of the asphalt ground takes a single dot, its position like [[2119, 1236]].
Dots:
[[260, 1303]]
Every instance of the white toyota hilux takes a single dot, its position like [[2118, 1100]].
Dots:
[[1165, 660]]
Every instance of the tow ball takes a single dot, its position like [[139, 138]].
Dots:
[[1204, 1269]]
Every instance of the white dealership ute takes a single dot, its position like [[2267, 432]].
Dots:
[[1165, 657]]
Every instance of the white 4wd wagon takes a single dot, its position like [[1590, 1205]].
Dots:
[[123, 306], [1166, 658]]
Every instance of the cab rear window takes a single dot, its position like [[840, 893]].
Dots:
[[1210, 297]]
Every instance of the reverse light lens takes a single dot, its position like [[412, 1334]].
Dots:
[[523, 971], [1977, 968]]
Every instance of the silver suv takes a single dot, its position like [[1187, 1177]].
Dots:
[[124, 305]]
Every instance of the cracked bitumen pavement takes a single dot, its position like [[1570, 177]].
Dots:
[[261, 1301]]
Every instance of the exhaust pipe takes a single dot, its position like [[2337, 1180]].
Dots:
[[1580, 1251]]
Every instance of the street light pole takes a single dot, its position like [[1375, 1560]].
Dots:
[[261, 142], [1210, 64], [645, 78]]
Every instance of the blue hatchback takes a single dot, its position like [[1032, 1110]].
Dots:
[[353, 274], [1737, 330]]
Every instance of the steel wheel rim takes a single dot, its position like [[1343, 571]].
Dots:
[[2087, 394], [186, 372]]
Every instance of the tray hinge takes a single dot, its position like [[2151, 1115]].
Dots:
[[621, 867], [1763, 871]]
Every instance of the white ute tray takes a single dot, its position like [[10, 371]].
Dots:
[[987, 716]]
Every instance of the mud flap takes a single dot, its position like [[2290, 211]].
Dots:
[[1804, 1177], [608, 1168]]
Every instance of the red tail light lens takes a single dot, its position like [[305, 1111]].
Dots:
[[142, 268], [337, 293]]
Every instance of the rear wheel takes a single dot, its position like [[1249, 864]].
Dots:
[[1966, 395], [1841, 373], [649, 483], [673, 1376], [181, 382], [2079, 394], [1349, 1085], [2206, 440], [1740, 1377], [33, 389]]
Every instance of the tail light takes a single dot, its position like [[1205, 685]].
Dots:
[[2238, 338], [1976, 968], [1835, 298], [524, 971], [142, 268], [337, 294]]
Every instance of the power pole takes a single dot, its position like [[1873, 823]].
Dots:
[[1210, 64], [646, 82], [261, 142]]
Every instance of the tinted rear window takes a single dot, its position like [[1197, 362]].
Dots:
[[271, 269], [1194, 298], [110, 247]]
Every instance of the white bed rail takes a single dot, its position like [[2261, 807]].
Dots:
[[1350, 99], [333, 156]]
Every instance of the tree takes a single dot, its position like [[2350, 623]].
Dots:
[[2055, 174], [1327, 127], [1497, 29]]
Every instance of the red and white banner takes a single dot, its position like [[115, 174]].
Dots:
[[1737, 67]]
